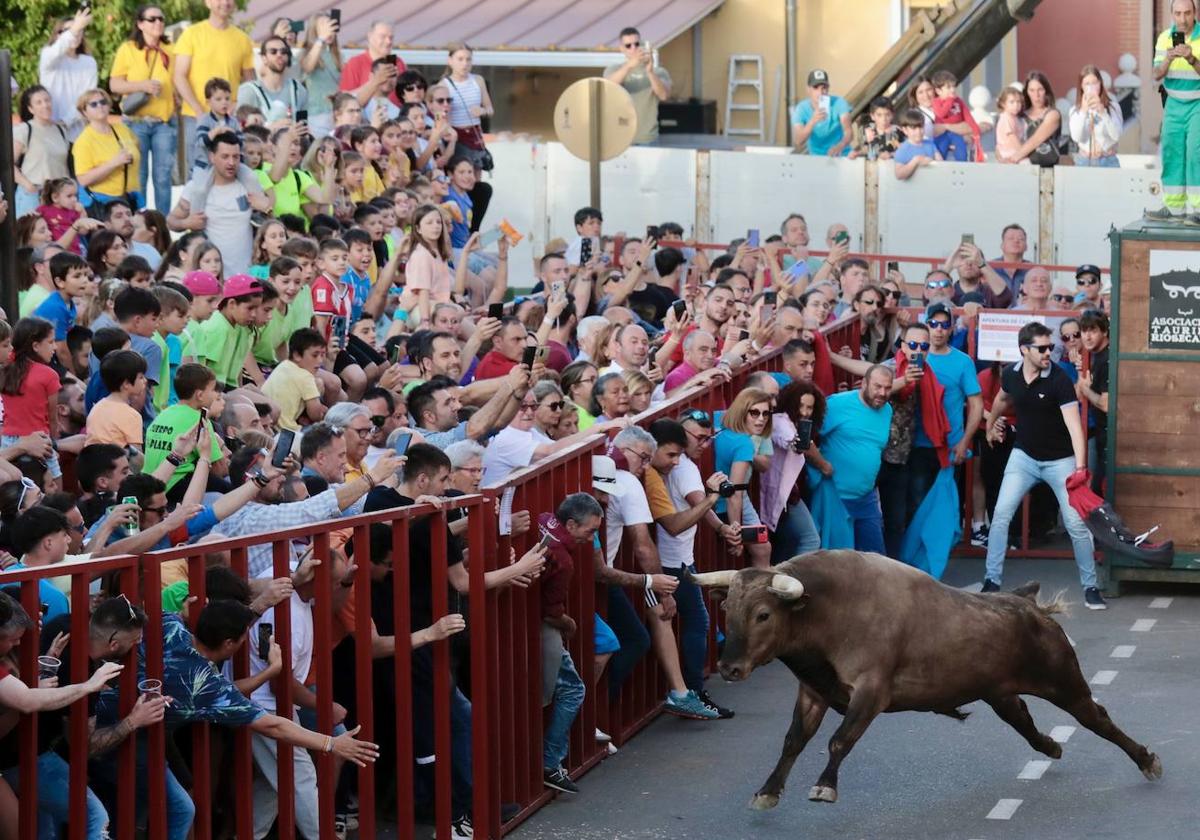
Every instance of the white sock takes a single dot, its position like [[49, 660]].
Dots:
[[678, 695]]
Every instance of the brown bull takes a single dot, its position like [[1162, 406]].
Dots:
[[864, 634]]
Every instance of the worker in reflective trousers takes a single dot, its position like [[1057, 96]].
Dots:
[[1177, 66]]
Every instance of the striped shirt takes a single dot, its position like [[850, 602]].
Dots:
[[463, 97]]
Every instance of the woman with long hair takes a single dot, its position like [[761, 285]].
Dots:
[[735, 449], [29, 388], [640, 390], [1095, 121], [40, 148], [797, 419], [549, 410], [150, 227], [107, 156], [177, 259], [577, 380], [142, 65], [1043, 122], [321, 71], [469, 103], [66, 68], [105, 251], [268, 246], [427, 272], [610, 398]]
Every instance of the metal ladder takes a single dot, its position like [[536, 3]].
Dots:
[[755, 82]]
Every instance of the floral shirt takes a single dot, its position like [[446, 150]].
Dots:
[[198, 690]]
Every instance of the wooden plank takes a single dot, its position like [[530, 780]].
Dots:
[[1159, 491], [1141, 448], [1159, 415], [1156, 378], [1182, 526]]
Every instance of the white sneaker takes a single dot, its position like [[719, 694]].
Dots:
[[602, 736], [612, 748]]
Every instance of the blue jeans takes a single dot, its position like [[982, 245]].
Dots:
[[951, 146], [693, 633], [1106, 162], [54, 777], [868, 522], [1020, 476], [631, 633], [24, 202], [796, 533], [568, 697], [156, 138]]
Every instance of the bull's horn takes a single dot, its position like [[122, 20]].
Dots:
[[786, 587], [723, 578]]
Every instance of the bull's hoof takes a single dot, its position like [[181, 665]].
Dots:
[[764, 801], [1153, 771], [1052, 748], [820, 793]]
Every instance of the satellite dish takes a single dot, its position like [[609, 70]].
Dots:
[[596, 121]]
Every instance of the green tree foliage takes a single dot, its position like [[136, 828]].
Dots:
[[27, 24]]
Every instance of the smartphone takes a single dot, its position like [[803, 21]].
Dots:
[[1178, 39], [402, 443], [296, 26], [546, 539], [752, 534], [824, 105], [283, 447], [335, 15], [585, 251], [528, 356], [265, 632], [968, 239], [803, 434], [395, 355], [541, 354], [893, 265], [652, 232], [743, 335], [679, 306], [769, 297], [918, 361], [496, 310], [558, 288], [490, 237], [767, 311], [302, 115], [390, 59], [841, 237], [203, 420], [752, 238]]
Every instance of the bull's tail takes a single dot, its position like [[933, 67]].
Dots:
[[1058, 605]]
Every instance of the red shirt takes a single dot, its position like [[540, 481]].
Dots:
[[492, 365], [334, 300], [357, 72], [27, 412], [59, 220], [556, 576]]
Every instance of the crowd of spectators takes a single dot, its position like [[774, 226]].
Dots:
[[320, 326]]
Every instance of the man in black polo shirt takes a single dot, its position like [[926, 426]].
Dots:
[[1050, 446]]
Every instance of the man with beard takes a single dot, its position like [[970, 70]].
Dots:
[[434, 408]]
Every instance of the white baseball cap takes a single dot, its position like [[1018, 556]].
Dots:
[[604, 476]]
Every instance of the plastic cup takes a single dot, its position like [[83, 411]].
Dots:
[[150, 688], [48, 666]]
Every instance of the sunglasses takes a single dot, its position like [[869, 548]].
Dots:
[[917, 345], [161, 511], [894, 295], [1087, 281], [277, 52], [441, 101], [557, 405], [937, 284], [938, 325], [528, 407], [442, 179], [98, 103], [872, 302], [27, 484], [154, 19], [758, 412], [1069, 336], [378, 420], [697, 416], [1061, 298], [414, 87], [1041, 348], [631, 45]]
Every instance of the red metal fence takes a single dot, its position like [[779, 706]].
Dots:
[[504, 650]]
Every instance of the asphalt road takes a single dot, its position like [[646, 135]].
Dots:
[[921, 776]]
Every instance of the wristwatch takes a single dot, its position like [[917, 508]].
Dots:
[[174, 460]]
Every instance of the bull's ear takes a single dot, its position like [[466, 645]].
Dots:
[[786, 588]]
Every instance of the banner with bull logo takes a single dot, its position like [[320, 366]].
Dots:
[[1175, 300]]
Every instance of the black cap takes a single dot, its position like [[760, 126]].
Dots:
[[1087, 268], [939, 308], [818, 77]]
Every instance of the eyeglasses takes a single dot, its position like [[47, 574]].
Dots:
[[156, 510], [277, 51], [528, 407], [938, 325], [703, 440], [933, 284], [471, 470], [414, 86], [1041, 348], [642, 456], [441, 101], [758, 412], [587, 380], [98, 103], [917, 345], [154, 19], [378, 420], [1087, 281], [1061, 298], [362, 433], [1069, 336], [557, 405]]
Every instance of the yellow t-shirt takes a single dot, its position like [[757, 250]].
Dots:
[[134, 65], [290, 386], [656, 494], [215, 53], [93, 148], [372, 186]]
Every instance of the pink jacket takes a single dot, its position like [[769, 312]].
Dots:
[[781, 475]]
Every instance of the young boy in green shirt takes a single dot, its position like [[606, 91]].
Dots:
[[288, 316], [225, 339], [171, 321], [293, 384], [206, 294], [196, 388]]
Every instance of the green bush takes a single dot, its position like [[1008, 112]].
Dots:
[[26, 29]]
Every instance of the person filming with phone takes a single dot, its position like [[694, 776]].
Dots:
[[1095, 121], [822, 121], [647, 83]]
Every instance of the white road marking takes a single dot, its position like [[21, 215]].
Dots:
[[1004, 809], [1161, 603], [1034, 769], [1123, 651], [1143, 625], [1072, 641], [1104, 677], [1061, 733]]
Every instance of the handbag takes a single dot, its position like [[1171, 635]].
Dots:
[[1046, 154], [131, 103], [471, 138]]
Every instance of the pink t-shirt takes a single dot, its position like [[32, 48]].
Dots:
[[679, 374], [28, 412], [426, 271]]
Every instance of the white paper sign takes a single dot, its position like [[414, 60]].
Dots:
[[998, 335]]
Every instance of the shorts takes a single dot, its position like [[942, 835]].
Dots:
[[604, 640], [53, 468]]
